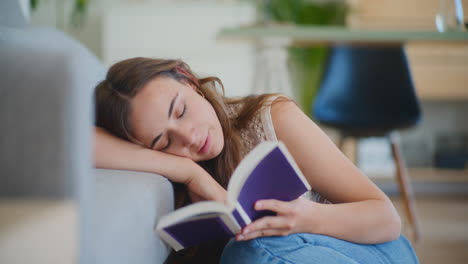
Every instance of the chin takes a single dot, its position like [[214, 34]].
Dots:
[[215, 152]]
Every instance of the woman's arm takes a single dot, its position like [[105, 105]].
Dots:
[[362, 213], [114, 153]]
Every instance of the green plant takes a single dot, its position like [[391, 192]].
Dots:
[[78, 11]]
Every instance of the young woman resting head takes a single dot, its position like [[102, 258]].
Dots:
[[156, 115]]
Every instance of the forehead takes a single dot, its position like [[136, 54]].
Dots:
[[160, 86], [150, 106], [155, 95]]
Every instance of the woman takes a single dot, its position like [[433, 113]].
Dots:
[[157, 116]]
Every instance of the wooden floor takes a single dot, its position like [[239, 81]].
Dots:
[[443, 216], [444, 226]]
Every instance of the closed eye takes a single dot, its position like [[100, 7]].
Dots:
[[183, 111], [167, 146], [169, 140]]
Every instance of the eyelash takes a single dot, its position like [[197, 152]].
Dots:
[[169, 140], [183, 111]]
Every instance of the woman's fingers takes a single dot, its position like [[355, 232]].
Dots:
[[280, 207], [269, 222], [267, 226], [292, 217], [262, 233]]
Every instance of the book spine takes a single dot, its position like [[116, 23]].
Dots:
[[176, 245], [230, 224], [241, 216], [238, 218]]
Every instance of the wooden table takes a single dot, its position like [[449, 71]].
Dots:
[[271, 40], [332, 34]]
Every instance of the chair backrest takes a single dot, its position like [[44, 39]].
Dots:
[[367, 86]]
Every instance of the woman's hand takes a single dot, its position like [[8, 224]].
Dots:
[[292, 217]]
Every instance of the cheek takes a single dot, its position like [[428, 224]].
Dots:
[[212, 118], [219, 131], [209, 117], [206, 113]]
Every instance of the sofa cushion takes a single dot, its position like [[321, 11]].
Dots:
[[127, 208], [14, 13], [46, 84]]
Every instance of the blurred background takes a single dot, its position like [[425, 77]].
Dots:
[[435, 150], [119, 29]]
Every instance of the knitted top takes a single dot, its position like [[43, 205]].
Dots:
[[261, 129]]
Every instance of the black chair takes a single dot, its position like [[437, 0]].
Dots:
[[368, 92]]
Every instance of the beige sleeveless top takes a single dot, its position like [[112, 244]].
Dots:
[[261, 129]]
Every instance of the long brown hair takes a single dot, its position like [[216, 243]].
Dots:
[[112, 107]]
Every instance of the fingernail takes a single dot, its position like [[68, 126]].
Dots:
[[240, 237], [246, 231], [258, 205]]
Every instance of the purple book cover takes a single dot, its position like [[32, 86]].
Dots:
[[199, 230], [276, 176], [273, 178]]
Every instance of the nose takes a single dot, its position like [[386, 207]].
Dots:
[[187, 135]]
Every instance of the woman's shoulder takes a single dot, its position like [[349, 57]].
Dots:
[[272, 105], [283, 110]]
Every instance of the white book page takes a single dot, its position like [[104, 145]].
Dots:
[[170, 240], [198, 210], [242, 213], [231, 223]]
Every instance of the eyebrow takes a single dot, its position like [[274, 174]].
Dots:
[[171, 107]]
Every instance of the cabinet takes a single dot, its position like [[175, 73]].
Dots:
[[438, 69]]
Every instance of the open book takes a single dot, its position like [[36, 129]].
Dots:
[[267, 172]]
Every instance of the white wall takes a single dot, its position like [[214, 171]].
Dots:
[[116, 30], [182, 30], [57, 13]]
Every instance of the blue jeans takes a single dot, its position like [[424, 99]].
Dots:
[[311, 248]]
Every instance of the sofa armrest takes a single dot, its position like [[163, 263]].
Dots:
[[127, 208]]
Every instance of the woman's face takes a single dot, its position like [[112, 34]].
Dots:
[[172, 117]]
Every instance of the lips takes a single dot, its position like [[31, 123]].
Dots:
[[206, 145]]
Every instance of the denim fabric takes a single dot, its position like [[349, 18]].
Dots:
[[310, 248]]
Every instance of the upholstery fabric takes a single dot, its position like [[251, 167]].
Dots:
[[128, 205], [46, 86]]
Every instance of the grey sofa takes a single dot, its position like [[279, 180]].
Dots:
[[46, 83]]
